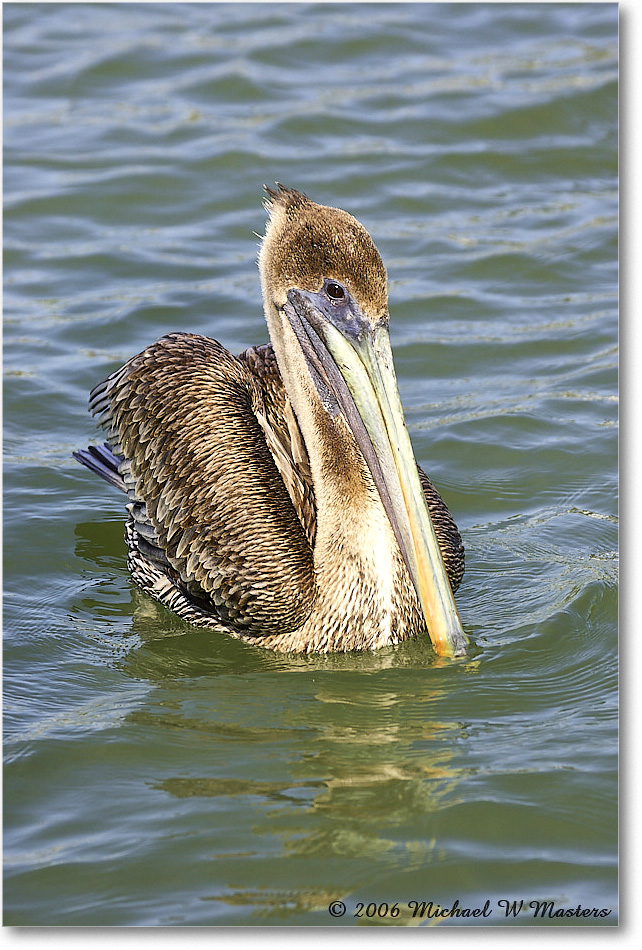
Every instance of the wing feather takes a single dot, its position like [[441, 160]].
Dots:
[[209, 510], [283, 435], [448, 536]]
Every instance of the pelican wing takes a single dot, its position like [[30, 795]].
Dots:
[[283, 435], [212, 524], [448, 536]]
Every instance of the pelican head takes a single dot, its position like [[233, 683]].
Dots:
[[326, 303]]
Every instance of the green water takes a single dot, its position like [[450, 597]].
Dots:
[[157, 775]]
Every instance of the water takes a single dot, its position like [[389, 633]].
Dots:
[[155, 774]]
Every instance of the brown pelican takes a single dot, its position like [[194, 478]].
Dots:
[[274, 495]]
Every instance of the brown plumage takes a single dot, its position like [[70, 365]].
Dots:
[[253, 509]]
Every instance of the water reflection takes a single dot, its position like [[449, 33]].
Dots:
[[338, 758]]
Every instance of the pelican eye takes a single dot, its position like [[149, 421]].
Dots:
[[334, 291]]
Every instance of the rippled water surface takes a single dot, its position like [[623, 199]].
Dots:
[[155, 774]]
